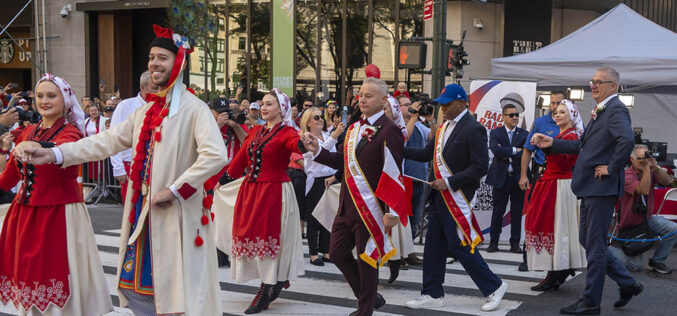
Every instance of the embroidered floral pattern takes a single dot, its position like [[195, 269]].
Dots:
[[539, 240], [258, 248], [40, 295]]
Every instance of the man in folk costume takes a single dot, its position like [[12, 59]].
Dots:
[[167, 263], [460, 158], [369, 144]]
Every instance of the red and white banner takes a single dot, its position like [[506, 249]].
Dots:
[[428, 10], [379, 248], [392, 190], [461, 210]]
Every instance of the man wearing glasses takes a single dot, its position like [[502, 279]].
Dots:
[[598, 181], [506, 144]]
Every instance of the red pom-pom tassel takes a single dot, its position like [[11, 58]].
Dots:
[[207, 201], [158, 121], [205, 220], [158, 137], [212, 214], [198, 239], [164, 112]]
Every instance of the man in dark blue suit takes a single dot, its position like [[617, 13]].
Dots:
[[506, 143], [598, 181], [461, 145]]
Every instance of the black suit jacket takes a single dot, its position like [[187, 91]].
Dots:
[[465, 152], [501, 147], [370, 156]]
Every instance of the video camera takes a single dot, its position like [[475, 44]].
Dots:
[[657, 150], [427, 104]]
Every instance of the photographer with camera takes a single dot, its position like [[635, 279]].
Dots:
[[636, 208]]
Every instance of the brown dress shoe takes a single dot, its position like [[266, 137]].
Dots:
[[414, 260]]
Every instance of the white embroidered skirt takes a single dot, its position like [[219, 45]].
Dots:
[[288, 264], [567, 252], [88, 293]]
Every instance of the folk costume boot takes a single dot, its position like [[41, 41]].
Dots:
[[261, 300], [277, 289], [551, 281]]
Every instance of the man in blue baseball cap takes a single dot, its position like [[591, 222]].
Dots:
[[460, 159]]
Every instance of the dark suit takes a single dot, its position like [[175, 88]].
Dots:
[[466, 154], [506, 183], [349, 230], [608, 140]]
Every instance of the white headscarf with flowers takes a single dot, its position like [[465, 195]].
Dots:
[[576, 120], [72, 110], [397, 115], [285, 106]]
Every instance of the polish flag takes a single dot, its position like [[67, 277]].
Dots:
[[392, 188]]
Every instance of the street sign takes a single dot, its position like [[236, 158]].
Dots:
[[411, 55], [428, 10]]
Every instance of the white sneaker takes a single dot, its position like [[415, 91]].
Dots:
[[495, 298], [426, 301]]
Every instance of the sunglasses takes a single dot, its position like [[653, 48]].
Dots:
[[317, 117], [512, 115]]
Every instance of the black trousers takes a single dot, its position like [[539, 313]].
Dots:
[[315, 229], [512, 192], [298, 181]]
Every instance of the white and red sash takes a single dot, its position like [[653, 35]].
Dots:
[[379, 248], [467, 228]]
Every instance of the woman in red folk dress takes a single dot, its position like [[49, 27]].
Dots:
[[266, 237], [50, 264], [553, 213]]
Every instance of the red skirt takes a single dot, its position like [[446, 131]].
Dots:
[[257, 220], [539, 224], [34, 264]]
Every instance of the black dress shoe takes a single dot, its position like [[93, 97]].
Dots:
[[551, 281], [380, 301], [492, 247], [515, 248], [523, 267], [394, 266], [318, 262], [325, 259], [580, 308], [627, 293]]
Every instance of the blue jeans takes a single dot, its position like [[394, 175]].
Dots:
[[417, 204], [658, 226]]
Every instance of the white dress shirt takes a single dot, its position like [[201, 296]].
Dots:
[[124, 109], [447, 133], [514, 150], [314, 169]]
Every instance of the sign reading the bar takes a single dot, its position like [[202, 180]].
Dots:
[[11, 56], [428, 10], [527, 26]]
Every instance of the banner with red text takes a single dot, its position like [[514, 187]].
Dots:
[[487, 99]]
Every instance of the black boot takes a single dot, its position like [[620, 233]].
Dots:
[[277, 289], [551, 281], [394, 266], [261, 300], [564, 274]]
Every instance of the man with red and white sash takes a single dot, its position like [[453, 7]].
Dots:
[[361, 221], [460, 158]]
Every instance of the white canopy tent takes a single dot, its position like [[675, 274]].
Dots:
[[644, 53]]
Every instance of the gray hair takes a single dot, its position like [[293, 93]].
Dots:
[[145, 77], [612, 74], [382, 86], [638, 146]]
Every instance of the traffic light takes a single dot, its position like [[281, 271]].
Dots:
[[411, 55], [456, 59]]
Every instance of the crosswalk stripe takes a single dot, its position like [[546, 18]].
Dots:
[[323, 290]]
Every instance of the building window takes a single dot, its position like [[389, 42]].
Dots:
[[241, 43]]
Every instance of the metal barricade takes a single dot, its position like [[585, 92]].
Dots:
[[98, 175]]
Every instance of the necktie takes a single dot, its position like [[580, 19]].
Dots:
[[510, 133], [364, 122]]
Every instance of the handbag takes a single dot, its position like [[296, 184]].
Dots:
[[637, 232], [634, 248]]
